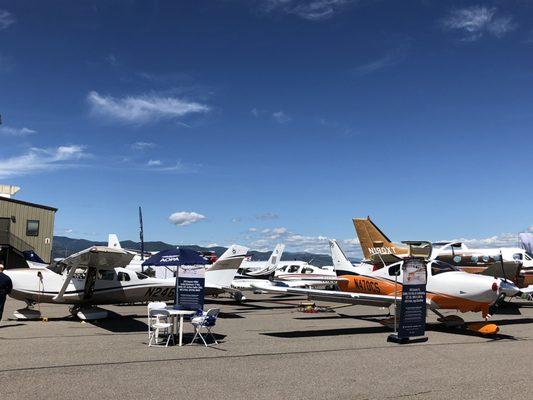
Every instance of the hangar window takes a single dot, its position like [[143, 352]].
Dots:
[[32, 227], [123, 277]]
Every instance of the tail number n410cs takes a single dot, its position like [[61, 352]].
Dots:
[[158, 292], [367, 286]]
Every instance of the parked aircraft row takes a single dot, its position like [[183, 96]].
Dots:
[[376, 281], [458, 278]]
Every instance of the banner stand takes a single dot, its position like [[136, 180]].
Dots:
[[412, 317], [190, 287]]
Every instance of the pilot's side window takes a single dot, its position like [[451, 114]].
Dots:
[[307, 271], [123, 277], [106, 275], [293, 268], [517, 256]]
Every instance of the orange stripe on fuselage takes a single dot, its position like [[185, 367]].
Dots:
[[365, 284]]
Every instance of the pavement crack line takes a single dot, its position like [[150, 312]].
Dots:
[[236, 356]]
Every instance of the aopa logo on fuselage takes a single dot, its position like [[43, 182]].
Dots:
[[382, 250]]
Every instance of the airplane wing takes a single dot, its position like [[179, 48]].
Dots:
[[376, 300], [101, 257], [96, 257]]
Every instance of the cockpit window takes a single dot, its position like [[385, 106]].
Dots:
[[527, 257], [141, 276], [517, 256], [106, 274], [293, 268], [440, 267], [123, 277], [307, 271]]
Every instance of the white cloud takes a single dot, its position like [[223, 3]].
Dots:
[[312, 10], [160, 166], [6, 19], [41, 160], [143, 109], [236, 220], [502, 240], [476, 21], [142, 145], [184, 218], [9, 131], [212, 245], [391, 58], [281, 117], [111, 59], [266, 239], [267, 216]]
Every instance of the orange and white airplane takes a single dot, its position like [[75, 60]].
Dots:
[[511, 263], [447, 288]]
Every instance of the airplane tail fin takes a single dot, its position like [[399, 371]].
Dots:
[[222, 271], [272, 262], [275, 256], [373, 240], [341, 264], [113, 242]]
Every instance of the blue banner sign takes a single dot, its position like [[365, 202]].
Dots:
[[190, 287], [413, 307]]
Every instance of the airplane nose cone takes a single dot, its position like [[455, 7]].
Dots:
[[508, 288]]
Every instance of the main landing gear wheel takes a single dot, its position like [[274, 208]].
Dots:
[[238, 297], [88, 313]]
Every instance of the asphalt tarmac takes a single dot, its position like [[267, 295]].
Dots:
[[268, 350]]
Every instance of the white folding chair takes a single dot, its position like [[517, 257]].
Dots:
[[159, 324], [205, 321], [154, 305]]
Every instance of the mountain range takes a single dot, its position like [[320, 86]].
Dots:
[[64, 246]]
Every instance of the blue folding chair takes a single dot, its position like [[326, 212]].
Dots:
[[205, 321]]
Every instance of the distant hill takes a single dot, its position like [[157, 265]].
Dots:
[[65, 246]]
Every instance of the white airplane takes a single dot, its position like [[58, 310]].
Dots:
[[447, 289], [96, 276], [289, 273], [263, 268]]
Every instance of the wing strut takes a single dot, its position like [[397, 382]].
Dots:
[[71, 273]]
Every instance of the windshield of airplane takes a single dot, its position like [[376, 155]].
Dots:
[[439, 267], [141, 276]]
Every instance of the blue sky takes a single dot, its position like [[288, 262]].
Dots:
[[276, 120]]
